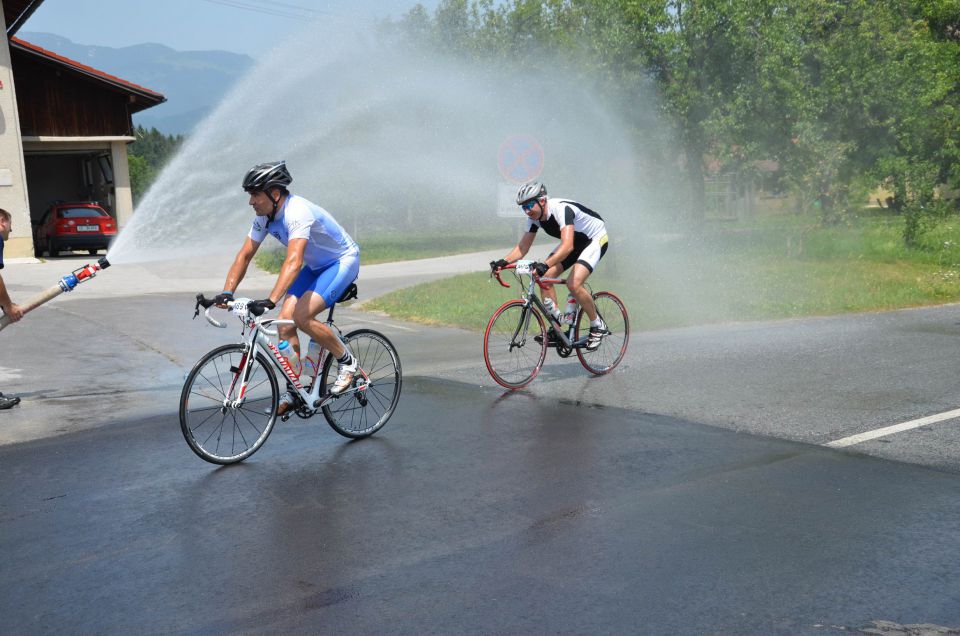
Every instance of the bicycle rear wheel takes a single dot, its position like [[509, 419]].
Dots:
[[511, 348], [215, 430], [614, 345], [363, 411]]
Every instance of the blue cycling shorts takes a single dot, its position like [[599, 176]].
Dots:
[[329, 282]]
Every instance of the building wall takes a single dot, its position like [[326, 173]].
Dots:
[[13, 188], [55, 103], [122, 190]]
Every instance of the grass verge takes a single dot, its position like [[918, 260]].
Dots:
[[778, 268], [400, 247]]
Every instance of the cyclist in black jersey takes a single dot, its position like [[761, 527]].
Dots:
[[583, 242]]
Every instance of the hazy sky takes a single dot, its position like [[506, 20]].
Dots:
[[242, 26]]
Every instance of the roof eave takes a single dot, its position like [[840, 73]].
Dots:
[[149, 97], [14, 26]]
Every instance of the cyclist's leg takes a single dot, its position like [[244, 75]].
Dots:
[[304, 281], [326, 289], [553, 272], [586, 262], [575, 283]]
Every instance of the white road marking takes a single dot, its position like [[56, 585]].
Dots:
[[896, 428]]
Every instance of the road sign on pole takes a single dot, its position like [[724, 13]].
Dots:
[[507, 201], [520, 158]]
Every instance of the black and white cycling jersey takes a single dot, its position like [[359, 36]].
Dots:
[[589, 230], [587, 224]]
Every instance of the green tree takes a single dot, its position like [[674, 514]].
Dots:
[[838, 91], [147, 156], [141, 176]]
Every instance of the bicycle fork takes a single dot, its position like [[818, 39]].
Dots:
[[522, 328], [243, 371]]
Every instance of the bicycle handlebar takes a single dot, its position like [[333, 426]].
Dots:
[[496, 274], [239, 306], [207, 305], [265, 328], [543, 283]]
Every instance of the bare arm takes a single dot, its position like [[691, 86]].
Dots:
[[522, 248], [566, 246], [289, 270], [9, 308], [240, 264]]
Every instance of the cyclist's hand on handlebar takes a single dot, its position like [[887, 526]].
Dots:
[[257, 307], [498, 264], [221, 299], [541, 269]]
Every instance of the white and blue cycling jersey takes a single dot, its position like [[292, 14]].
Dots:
[[327, 241]]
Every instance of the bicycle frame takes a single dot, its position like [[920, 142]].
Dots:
[[522, 268], [256, 341]]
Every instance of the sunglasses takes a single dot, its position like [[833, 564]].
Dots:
[[528, 205]]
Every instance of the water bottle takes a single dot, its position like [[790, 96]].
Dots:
[[290, 354], [570, 311], [311, 363], [551, 307]]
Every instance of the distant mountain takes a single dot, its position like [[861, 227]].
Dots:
[[192, 81]]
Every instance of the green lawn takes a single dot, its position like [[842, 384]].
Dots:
[[775, 268], [402, 247]]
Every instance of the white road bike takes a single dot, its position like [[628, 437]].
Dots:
[[229, 402]]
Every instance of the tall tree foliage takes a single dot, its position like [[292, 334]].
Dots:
[[838, 91], [147, 156]]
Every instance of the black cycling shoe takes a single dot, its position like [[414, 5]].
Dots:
[[551, 339], [9, 402]]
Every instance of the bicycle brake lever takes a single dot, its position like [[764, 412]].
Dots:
[[196, 307]]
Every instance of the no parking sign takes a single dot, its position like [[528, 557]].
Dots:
[[520, 158]]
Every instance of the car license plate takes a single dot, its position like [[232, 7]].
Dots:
[[88, 228]]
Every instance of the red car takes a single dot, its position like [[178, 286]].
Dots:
[[73, 226]]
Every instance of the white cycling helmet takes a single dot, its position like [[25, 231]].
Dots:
[[531, 190]]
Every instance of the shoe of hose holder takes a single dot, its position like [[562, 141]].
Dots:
[[285, 406], [345, 375]]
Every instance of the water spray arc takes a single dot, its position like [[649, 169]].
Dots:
[[65, 284]]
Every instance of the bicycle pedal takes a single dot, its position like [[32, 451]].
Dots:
[[285, 417]]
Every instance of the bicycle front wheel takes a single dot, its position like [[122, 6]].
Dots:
[[368, 403], [514, 345], [216, 428], [614, 345]]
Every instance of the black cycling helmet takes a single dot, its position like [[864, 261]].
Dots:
[[264, 176], [531, 190]]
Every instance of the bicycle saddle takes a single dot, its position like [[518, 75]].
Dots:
[[349, 293]]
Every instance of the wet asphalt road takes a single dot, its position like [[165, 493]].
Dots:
[[475, 511], [472, 511]]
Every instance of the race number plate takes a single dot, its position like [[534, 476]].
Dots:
[[524, 267]]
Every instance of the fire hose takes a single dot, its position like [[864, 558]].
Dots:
[[65, 284]]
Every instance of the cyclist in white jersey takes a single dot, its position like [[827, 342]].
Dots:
[[321, 262], [583, 242]]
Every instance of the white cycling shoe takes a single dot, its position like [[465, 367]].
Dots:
[[345, 375]]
